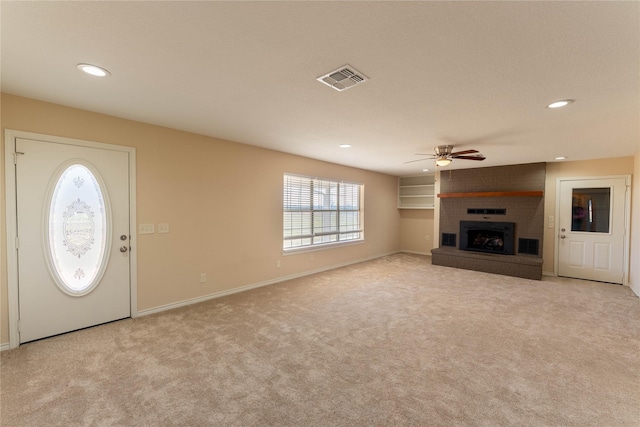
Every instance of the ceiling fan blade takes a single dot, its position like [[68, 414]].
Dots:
[[464, 152], [470, 157], [419, 160]]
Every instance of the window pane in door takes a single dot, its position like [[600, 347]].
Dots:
[[591, 210], [77, 230]]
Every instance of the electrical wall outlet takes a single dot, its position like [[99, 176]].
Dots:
[[203, 278], [163, 228]]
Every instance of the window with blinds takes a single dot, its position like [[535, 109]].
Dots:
[[319, 212]]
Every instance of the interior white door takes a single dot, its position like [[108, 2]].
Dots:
[[592, 229], [73, 237]]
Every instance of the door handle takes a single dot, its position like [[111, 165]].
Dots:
[[562, 236], [123, 249]]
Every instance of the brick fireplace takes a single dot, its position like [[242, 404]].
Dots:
[[493, 207]]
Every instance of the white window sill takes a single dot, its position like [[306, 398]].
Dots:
[[315, 248]]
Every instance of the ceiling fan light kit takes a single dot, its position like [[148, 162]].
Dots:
[[443, 162]]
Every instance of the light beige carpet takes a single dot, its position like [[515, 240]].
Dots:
[[389, 342]]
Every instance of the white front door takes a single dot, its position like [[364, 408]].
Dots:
[[72, 205], [592, 230]]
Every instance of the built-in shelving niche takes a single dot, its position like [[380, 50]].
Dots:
[[416, 192]]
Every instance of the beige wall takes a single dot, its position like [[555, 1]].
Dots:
[[222, 200], [634, 273], [601, 167], [417, 230], [4, 328]]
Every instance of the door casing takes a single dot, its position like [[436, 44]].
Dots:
[[627, 220], [12, 220]]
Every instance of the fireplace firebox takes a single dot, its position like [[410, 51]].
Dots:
[[486, 236]]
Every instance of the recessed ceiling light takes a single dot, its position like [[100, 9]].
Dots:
[[425, 170], [344, 145], [561, 158], [560, 104], [94, 70]]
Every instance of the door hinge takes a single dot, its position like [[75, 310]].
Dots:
[[17, 243], [19, 327], [15, 157]]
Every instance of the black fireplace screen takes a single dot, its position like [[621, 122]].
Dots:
[[485, 236], [486, 240]]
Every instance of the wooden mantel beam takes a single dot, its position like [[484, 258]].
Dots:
[[536, 193]]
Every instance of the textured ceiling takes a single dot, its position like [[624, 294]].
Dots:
[[470, 74]]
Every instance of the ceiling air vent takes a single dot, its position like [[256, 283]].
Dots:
[[343, 78]]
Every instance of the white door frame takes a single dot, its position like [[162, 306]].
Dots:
[[627, 220], [12, 220]]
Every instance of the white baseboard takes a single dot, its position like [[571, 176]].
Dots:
[[548, 273], [4, 346], [251, 286]]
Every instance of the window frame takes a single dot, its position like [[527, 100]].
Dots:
[[312, 208]]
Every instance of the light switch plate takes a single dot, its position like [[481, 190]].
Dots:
[[163, 228], [146, 229]]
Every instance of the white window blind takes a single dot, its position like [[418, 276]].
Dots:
[[318, 212]]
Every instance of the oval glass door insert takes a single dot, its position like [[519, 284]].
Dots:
[[77, 229]]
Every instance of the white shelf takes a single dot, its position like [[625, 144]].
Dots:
[[416, 192]]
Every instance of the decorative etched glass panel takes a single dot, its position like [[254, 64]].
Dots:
[[77, 229]]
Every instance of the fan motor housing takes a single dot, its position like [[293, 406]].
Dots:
[[443, 150]]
